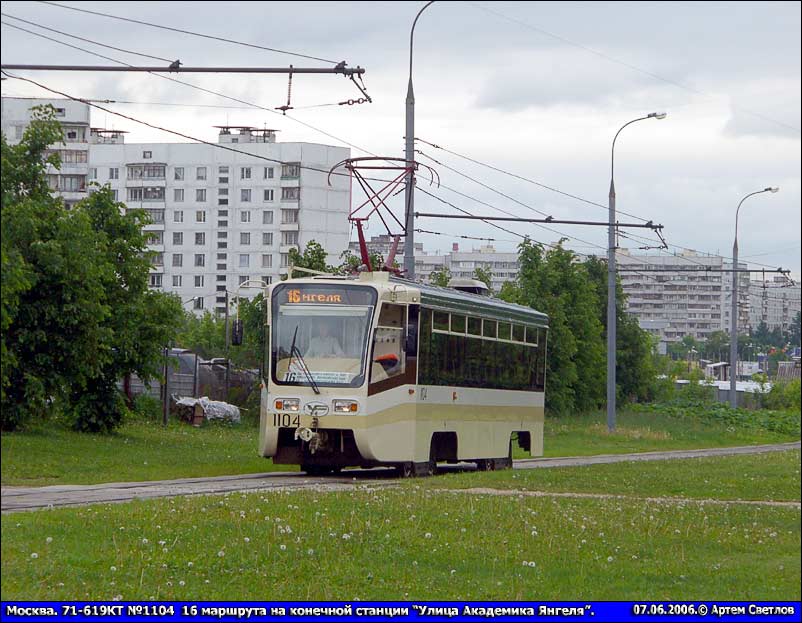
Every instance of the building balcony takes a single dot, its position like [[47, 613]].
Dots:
[[289, 226]]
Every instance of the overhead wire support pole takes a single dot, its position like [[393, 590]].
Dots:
[[548, 219], [338, 69], [409, 153]]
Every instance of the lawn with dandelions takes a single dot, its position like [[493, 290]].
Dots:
[[402, 543], [137, 451], [769, 476]]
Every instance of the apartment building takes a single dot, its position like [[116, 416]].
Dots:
[[502, 266], [70, 181], [674, 296], [219, 217], [773, 302]]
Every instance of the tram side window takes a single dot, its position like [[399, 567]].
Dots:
[[540, 383], [389, 353]]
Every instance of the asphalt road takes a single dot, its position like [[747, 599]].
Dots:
[[32, 498]]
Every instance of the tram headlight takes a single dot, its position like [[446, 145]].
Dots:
[[346, 406], [287, 404]]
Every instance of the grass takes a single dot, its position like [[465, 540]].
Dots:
[[142, 450], [138, 451], [771, 476], [647, 432], [400, 544]]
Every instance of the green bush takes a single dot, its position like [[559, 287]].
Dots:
[[147, 407], [98, 409], [785, 422], [784, 395]]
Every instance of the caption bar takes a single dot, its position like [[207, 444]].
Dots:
[[598, 612]]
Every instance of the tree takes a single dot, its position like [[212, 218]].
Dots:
[[313, 257], [484, 275], [634, 367], [143, 321], [77, 311], [440, 277], [554, 283], [717, 346], [795, 331]]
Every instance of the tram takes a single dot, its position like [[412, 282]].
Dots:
[[381, 371]]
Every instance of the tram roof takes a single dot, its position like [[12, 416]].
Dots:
[[451, 300]]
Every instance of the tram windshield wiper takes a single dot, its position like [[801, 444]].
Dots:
[[296, 352]]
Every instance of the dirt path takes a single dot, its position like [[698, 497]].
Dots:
[[32, 498]]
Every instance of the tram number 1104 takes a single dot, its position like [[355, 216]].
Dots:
[[286, 420]]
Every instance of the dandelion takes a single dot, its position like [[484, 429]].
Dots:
[[463, 530], [145, 541], [221, 553], [34, 555], [113, 568], [609, 559], [310, 552], [414, 563], [50, 538], [428, 535], [181, 583], [282, 547], [346, 537], [119, 597], [190, 564], [247, 540], [453, 571], [162, 543]]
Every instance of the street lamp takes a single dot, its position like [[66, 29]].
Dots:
[[611, 328], [734, 312], [409, 191]]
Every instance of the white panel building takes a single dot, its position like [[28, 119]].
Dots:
[[220, 217], [773, 302]]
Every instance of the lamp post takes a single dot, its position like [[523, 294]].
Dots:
[[409, 190], [734, 312], [611, 321]]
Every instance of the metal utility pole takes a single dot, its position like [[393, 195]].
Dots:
[[611, 290], [734, 312], [165, 387], [409, 154], [228, 361]]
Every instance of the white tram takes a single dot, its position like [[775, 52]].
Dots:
[[378, 370]]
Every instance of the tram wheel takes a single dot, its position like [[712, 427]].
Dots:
[[316, 470], [485, 465], [406, 470]]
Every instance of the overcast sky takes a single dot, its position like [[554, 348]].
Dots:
[[537, 88]]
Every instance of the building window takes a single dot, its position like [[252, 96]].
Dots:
[[200, 173], [156, 281], [222, 213], [222, 192], [222, 256], [115, 194], [267, 261], [200, 259], [245, 238], [200, 216], [222, 223], [198, 302], [221, 278], [157, 259], [291, 194], [245, 195], [222, 234], [178, 260], [178, 216], [267, 280], [268, 195], [267, 239], [285, 260], [243, 279], [244, 260], [200, 195], [114, 174], [155, 237], [245, 173], [222, 169], [147, 154], [179, 173], [268, 173], [267, 217], [222, 202], [200, 238], [177, 281], [60, 112], [245, 216], [291, 169], [289, 237], [289, 216], [178, 195], [222, 180], [92, 173]]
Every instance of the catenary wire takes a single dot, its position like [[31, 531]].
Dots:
[[189, 32]]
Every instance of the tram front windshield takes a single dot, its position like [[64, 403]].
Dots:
[[320, 334]]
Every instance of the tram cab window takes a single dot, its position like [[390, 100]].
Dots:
[[457, 323], [504, 331], [440, 321], [475, 326], [389, 354], [518, 333], [489, 328]]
